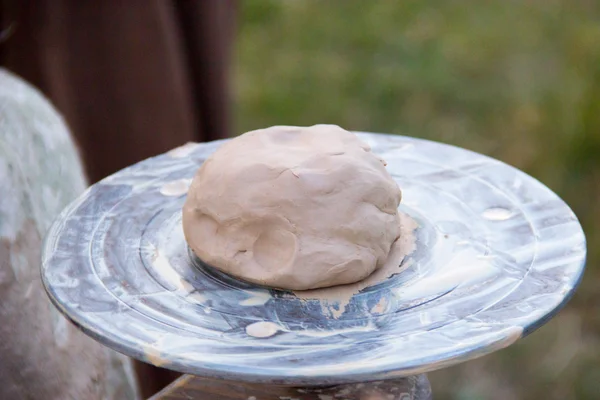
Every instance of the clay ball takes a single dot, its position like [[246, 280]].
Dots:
[[293, 208]]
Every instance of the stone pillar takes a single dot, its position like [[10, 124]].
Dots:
[[43, 356]]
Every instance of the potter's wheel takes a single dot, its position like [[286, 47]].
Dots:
[[497, 255]]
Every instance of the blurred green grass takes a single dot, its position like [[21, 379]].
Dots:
[[517, 80]]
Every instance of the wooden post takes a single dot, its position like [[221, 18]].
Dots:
[[198, 388]]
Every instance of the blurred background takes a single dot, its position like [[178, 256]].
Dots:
[[516, 80]]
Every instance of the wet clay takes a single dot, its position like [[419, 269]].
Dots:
[[335, 299], [294, 208]]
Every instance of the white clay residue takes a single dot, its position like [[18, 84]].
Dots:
[[176, 188], [497, 214], [183, 151], [153, 356], [380, 307], [334, 300], [263, 329], [463, 268], [257, 298], [326, 333], [403, 146], [161, 264], [513, 334], [425, 318], [500, 340], [266, 329], [199, 297]]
